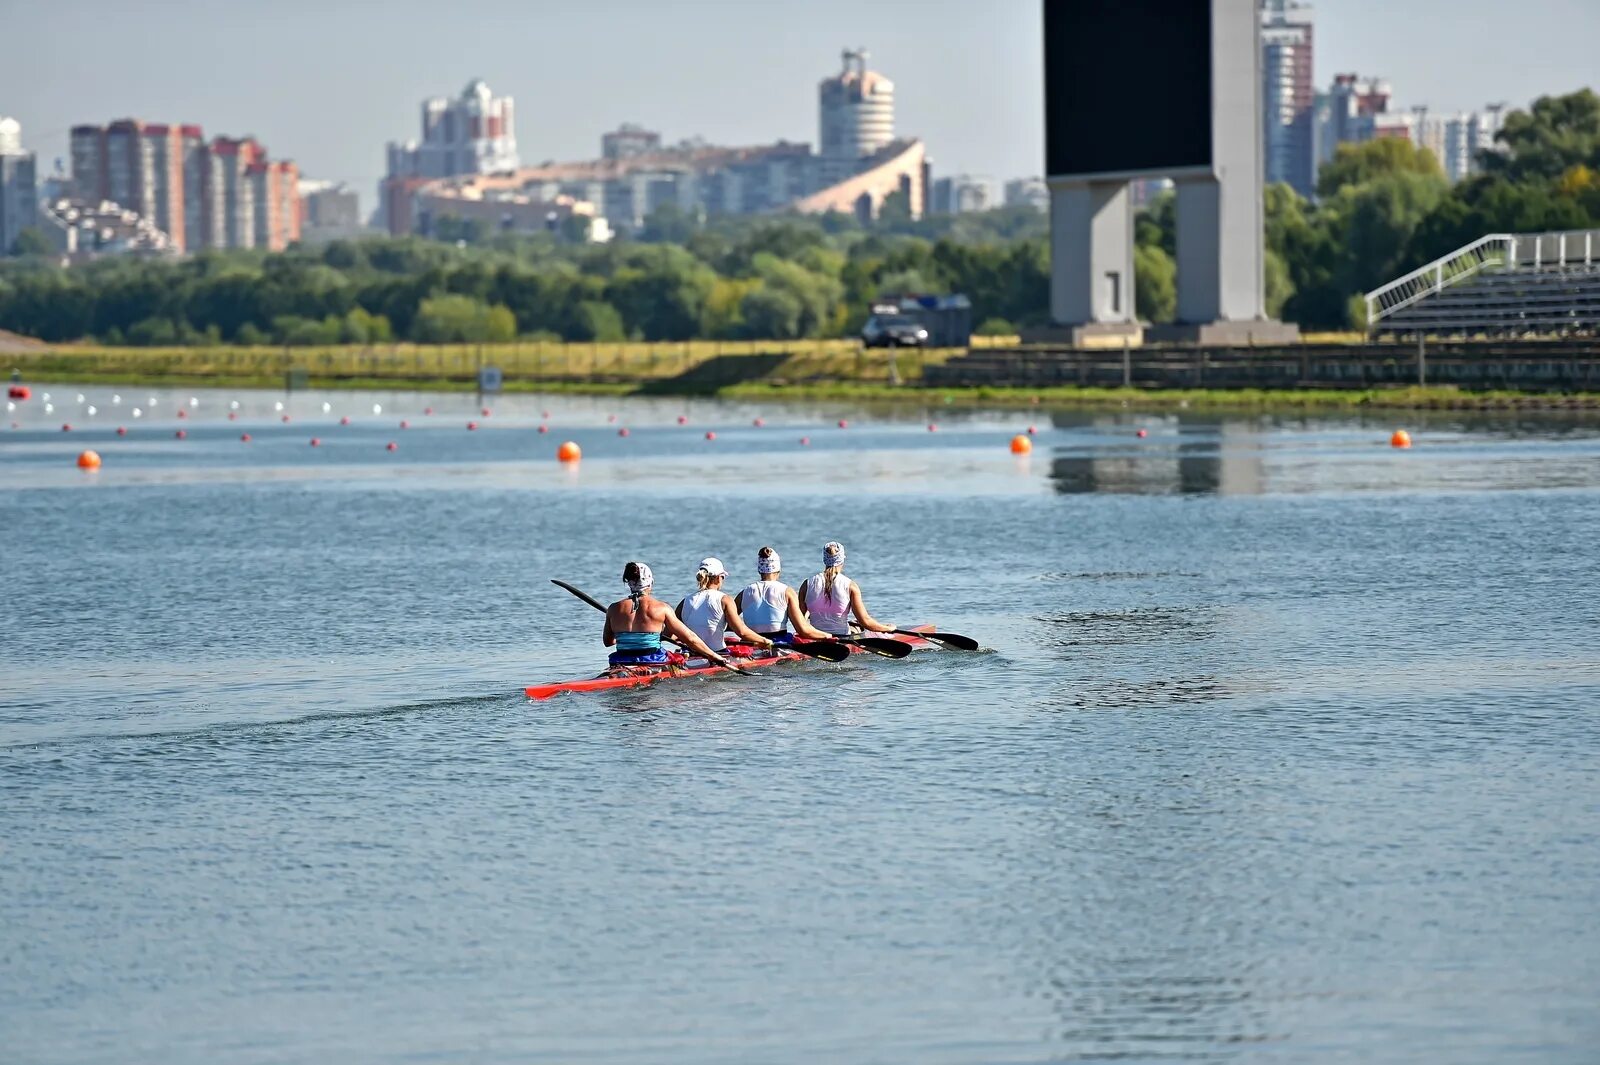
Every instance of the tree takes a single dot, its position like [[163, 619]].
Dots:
[[995, 327], [1155, 284], [1358, 164], [771, 314], [598, 321], [1554, 135], [462, 319], [30, 241]]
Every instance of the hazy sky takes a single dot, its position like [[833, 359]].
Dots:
[[329, 83]]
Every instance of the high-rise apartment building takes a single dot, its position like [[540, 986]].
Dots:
[[1458, 140], [1355, 109], [19, 197], [472, 134], [963, 193], [200, 195], [1028, 192], [855, 115], [1288, 94]]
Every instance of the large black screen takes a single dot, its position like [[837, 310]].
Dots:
[[1127, 85]]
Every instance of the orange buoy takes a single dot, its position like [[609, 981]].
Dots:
[[89, 460], [1032, 430], [843, 424], [569, 452], [1142, 433], [683, 419], [932, 428], [19, 392], [1401, 438], [1021, 445]]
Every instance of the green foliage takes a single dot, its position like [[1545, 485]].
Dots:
[[462, 319], [995, 327], [598, 321], [31, 241], [1554, 135], [1358, 164], [1155, 284]]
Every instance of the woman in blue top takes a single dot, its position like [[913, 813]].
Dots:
[[634, 626]]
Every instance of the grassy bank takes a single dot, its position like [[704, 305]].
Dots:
[[747, 370]]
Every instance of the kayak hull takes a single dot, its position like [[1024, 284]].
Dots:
[[639, 676]]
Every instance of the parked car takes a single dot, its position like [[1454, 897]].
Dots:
[[893, 331]]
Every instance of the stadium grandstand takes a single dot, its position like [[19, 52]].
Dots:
[[1501, 285]]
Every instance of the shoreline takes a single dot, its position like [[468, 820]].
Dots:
[[910, 395]]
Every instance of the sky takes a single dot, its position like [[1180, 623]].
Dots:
[[329, 84]]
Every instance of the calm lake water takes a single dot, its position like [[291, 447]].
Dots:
[[1284, 747]]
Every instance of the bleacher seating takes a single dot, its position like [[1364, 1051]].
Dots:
[[1501, 285]]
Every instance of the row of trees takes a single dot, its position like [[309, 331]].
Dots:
[[1382, 208]]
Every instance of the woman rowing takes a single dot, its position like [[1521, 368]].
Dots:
[[709, 612], [830, 598], [769, 606], [634, 626]]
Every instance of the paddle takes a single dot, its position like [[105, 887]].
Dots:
[[878, 645], [598, 605], [953, 640]]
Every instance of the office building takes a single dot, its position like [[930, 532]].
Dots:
[[329, 210], [19, 196], [1459, 140], [963, 193], [1288, 94], [627, 141]]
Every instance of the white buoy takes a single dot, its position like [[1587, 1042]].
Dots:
[[10, 407], [45, 397], [116, 400], [377, 408], [234, 405], [80, 397], [326, 407], [152, 402], [194, 401], [137, 413], [93, 410], [277, 406], [49, 408]]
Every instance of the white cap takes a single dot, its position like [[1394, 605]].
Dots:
[[713, 567]]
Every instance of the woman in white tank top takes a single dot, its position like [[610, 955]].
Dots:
[[769, 606], [830, 598], [710, 612]]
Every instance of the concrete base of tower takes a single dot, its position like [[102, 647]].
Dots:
[[1257, 333], [1088, 335]]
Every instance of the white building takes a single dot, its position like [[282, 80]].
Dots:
[[472, 134], [855, 116], [19, 195], [1028, 192]]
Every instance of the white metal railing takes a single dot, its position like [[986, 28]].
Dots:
[[1497, 249], [1513, 251]]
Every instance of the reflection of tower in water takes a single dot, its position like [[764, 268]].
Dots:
[[1210, 457]]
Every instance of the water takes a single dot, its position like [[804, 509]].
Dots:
[[1283, 747]]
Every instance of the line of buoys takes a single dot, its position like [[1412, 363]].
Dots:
[[569, 452], [88, 460], [1021, 445], [1400, 438]]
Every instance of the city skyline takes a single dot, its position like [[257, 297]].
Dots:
[[353, 85]]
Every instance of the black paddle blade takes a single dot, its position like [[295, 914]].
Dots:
[[880, 646], [581, 594], [952, 640], [827, 650]]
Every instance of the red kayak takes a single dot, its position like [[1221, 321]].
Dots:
[[635, 676]]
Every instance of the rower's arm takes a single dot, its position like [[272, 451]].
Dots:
[[688, 639], [867, 621], [797, 618], [730, 611], [609, 636]]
